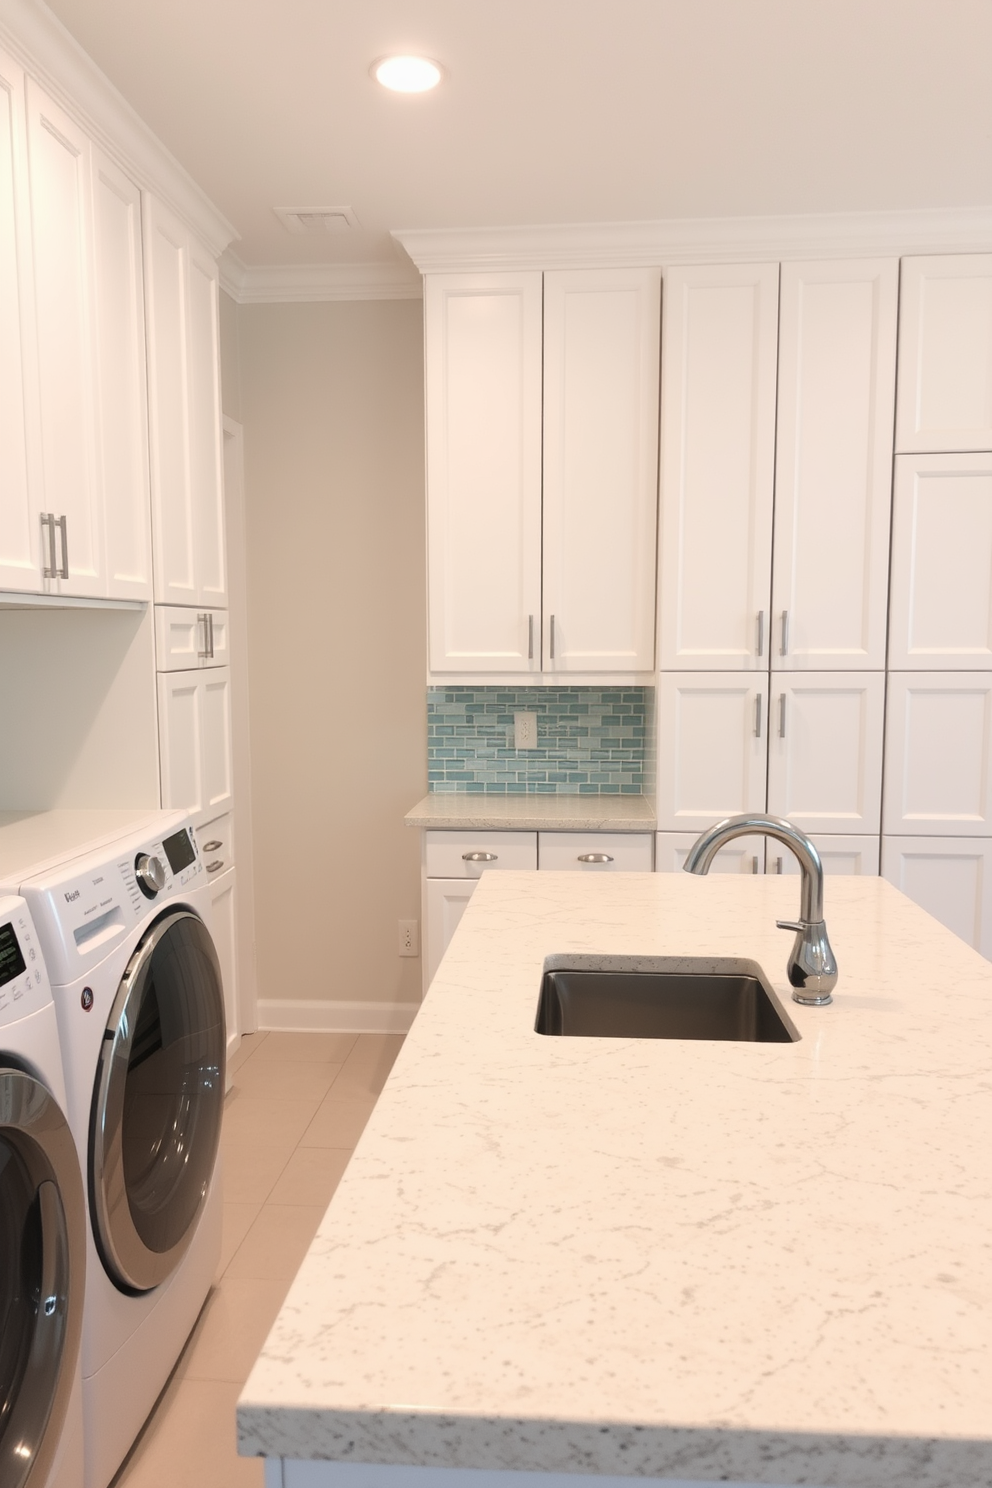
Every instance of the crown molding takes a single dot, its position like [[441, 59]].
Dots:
[[698, 240], [259, 284], [37, 40]]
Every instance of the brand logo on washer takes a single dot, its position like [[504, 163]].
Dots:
[[74, 895], [87, 999]]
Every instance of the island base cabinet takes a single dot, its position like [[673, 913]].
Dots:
[[445, 901], [949, 877]]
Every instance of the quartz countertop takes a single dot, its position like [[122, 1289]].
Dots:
[[478, 812], [666, 1258]]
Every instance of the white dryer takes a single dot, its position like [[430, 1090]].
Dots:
[[42, 1228], [140, 1005]]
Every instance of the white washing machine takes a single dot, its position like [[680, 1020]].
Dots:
[[42, 1228], [138, 994]]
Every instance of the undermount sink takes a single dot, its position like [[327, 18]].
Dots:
[[687, 998]]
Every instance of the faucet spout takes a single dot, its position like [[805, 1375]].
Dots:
[[811, 967]]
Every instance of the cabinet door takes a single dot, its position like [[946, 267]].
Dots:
[[595, 852], [743, 855], [938, 754], [825, 751], [945, 353], [21, 559], [712, 752], [601, 353], [223, 931], [720, 350], [483, 369], [445, 904], [836, 391], [940, 612], [122, 430], [218, 786], [59, 168], [850, 856], [195, 741], [948, 877], [173, 531], [206, 472]]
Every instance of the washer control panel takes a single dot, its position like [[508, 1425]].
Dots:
[[23, 980]]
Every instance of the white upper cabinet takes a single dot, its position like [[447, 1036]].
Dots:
[[483, 370], [825, 751], [938, 754], [945, 354], [836, 390], [601, 352], [941, 588], [184, 408], [59, 169], [949, 877], [717, 466], [122, 413], [20, 527], [712, 750]]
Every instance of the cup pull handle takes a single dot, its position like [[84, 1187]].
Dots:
[[479, 857], [595, 858]]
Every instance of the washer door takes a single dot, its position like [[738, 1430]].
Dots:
[[157, 1104], [42, 1261]]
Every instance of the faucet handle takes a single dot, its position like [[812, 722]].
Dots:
[[796, 925]]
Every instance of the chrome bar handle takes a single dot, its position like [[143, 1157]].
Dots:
[[552, 647], [761, 632], [201, 650], [785, 632], [64, 570], [781, 716], [754, 863], [479, 857], [530, 637], [49, 570], [594, 858], [210, 632], [757, 715], [778, 865]]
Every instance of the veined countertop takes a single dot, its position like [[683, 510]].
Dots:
[[535, 813], [695, 1260]]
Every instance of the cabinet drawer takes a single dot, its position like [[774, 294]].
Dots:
[[450, 854], [625, 852], [215, 840], [186, 638]]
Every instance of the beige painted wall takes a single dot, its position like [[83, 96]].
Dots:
[[331, 399]]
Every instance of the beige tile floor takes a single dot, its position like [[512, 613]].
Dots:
[[296, 1109]]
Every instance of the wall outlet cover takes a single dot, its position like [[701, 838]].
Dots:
[[525, 730], [409, 937]]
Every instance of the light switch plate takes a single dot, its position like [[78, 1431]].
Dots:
[[525, 730]]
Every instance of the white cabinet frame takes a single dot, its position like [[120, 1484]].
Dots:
[[712, 750], [847, 856], [825, 750], [938, 754], [194, 714], [945, 353], [742, 855], [949, 877]]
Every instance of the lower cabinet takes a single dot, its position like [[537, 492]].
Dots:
[[850, 855], [743, 855], [194, 722], [444, 904], [949, 877], [223, 928]]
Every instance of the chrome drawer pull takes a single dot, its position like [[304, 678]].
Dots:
[[595, 858], [62, 525], [761, 632], [785, 632], [212, 846], [530, 637], [50, 569], [215, 866], [479, 857]]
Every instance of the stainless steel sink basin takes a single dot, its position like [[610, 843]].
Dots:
[[721, 998]]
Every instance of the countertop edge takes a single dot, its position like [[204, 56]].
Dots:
[[481, 813]]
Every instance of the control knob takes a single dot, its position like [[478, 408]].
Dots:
[[150, 874]]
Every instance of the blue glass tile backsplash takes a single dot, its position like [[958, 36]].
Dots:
[[590, 740]]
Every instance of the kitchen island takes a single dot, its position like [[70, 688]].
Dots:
[[686, 1260]]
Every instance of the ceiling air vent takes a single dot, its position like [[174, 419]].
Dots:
[[322, 219]]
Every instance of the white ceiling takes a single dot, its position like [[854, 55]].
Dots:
[[554, 110]]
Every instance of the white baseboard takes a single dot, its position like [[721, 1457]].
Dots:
[[303, 1015]]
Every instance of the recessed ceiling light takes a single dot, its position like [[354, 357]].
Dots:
[[406, 74]]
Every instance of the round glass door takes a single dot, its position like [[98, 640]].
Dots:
[[42, 1247], [158, 1103]]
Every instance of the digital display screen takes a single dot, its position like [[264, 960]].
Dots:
[[179, 850], [11, 960]]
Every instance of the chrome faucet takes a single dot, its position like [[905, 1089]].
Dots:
[[811, 967]]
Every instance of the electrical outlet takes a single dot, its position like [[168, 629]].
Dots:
[[525, 730], [409, 937]]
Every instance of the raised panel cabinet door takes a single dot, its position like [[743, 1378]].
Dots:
[[21, 558], [719, 360], [712, 751], [166, 319], [949, 877], [180, 736], [206, 458], [218, 773], [445, 900], [836, 388], [122, 396], [938, 754], [483, 382], [59, 166], [743, 855], [223, 933], [601, 358], [940, 605], [850, 856], [825, 751], [945, 353]]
